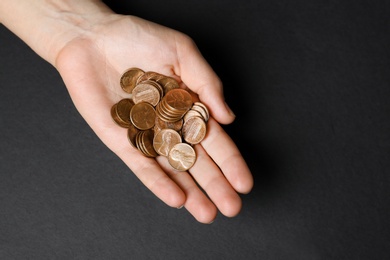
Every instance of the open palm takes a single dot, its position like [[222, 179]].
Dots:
[[91, 65]]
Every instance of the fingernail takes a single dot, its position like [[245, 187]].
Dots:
[[230, 110], [180, 207], [211, 222]]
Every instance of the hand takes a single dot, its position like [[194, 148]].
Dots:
[[91, 61]]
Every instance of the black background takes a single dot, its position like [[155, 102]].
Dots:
[[309, 82]]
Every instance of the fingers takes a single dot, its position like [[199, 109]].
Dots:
[[220, 177], [197, 74], [226, 155], [210, 178], [154, 178], [196, 202]]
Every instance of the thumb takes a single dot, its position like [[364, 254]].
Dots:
[[198, 75]]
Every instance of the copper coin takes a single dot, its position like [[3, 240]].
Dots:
[[147, 143], [129, 79], [150, 75], [131, 134], [191, 113], [178, 99], [116, 118], [164, 141], [143, 116], [123, 109], [156, 129], [155, 84], [202, 111], [200, 104], [167, 113], [182, 157], [137, 140], [164, 115], [171, 111], [168, 84], [194, 130], [145, 92], [171, 125]]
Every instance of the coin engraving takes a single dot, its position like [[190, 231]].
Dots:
[[194, 130], [182, 157], [179, 99], [129, 79], [164, 141], [145, 92]]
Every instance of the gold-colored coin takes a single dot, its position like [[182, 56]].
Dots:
[[146, 92], [194, 130], [164, 141], [182, 157], [129, 79], [143, 116]]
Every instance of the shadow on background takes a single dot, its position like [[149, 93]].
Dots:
[[248, 130]]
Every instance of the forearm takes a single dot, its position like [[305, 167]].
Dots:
[[48, 25]]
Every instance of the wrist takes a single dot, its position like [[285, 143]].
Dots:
[[48, 25]]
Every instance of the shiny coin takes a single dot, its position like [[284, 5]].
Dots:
[[146, 92], [194, 130], [192, 113], [202, 111], [178, 100], [164, 141], [155, 84], [182, 157], [143, 116], [129, 79], [200, 104]]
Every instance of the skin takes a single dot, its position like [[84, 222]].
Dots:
[[91, 47]]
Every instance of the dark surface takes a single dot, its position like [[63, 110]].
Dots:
[[309, 82]]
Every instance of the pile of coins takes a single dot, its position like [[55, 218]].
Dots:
[[161, 118]]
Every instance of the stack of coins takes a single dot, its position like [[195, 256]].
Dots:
[[174, 105], [161, 118]]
